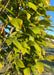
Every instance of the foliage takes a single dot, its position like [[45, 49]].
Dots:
[[23, 47]]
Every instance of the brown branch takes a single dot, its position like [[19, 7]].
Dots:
[[11, 31], [5, 6], [7, 36]]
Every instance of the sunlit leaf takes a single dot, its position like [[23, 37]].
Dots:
[[0, 65], [50, 8], [49, 58], [40, 67], [16, 22], [36, 30], [19, 63], [33, 6], [26, 71]]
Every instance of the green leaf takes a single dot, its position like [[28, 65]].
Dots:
[[16, 22], [13, 34], [34, 69], [40, 67], [25, 45], [45, 22], [31, 38], [16, 50], [49, 57], [43, 52], [32, 5], [46, 2], [50, 8], [31, 24], [9, 41], [19, 63], [26, 71], [20, 46], [36, 30], [38, 49], [10, 18], [28, 15]]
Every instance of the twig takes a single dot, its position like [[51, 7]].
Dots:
[[11, 31], [5, 6], [6, 61], [7, 36]]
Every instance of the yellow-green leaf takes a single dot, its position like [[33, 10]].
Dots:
[[26, 71], [49, 58], [19, 63], [36, 30], [38, 49], [40, 67], [0, 49], [50, 8], [16, 22], [32, 5], [0, 65]]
